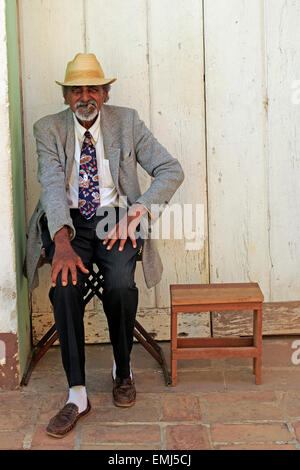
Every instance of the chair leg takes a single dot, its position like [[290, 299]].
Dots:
[[51, 336], [38, 352], [257, 339], [153, 348]]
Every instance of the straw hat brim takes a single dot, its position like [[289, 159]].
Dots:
[[87, 82]]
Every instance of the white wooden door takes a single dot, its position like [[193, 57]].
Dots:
[[217, 83]]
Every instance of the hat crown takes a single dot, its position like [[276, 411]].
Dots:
[[85, 65], [85, 69]]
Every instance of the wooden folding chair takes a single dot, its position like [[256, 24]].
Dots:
[[94, 286]]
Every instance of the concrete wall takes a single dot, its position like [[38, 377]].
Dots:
[[8, 294], [16, 138], [14, 312], [8, 283]]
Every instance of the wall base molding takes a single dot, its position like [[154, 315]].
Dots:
[[9, 361], [279, 318]]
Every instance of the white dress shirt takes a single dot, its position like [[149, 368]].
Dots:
[[108, 193]]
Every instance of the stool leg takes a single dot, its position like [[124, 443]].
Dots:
[[254, 340], [173, 347], [257, 338]]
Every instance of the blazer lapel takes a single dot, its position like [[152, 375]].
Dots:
[[70, 144], [112, 152]]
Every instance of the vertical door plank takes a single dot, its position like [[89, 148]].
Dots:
[[283, 61], [236, 142], [177, 118]]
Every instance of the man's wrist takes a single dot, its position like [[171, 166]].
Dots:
[[62, 237], [137, 210]]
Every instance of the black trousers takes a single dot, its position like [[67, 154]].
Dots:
[[120, 296]]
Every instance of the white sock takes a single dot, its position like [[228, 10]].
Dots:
[[115, 368], [78, 396]]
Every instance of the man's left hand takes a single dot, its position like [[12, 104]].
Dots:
[[126, 227]]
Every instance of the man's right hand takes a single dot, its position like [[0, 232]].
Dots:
[[65, 259]]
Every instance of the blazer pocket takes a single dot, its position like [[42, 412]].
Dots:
[[127, 158]]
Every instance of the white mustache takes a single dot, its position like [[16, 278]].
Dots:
[[90, 103]]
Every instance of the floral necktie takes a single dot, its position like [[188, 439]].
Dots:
[[89, 194]]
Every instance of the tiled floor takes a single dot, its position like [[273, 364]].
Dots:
[[216, 404]]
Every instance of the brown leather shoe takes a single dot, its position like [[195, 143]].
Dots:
[[65, 420], [124, 393]]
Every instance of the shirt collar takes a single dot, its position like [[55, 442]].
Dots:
[[94, 129]]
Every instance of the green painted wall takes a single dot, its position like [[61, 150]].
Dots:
[[24, 327]]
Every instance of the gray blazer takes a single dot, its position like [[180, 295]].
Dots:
[[127, 141]]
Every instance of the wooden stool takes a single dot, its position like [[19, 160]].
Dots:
[[210, 297]]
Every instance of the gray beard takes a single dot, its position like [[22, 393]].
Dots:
[[86, 116]]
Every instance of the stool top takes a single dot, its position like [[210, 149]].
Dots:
[[192, 294]]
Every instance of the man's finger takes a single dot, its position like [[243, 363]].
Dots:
[[123, 241], [111, 234], [107, 238], [82, 267], [111, 243], [114, 237], [131, 232], [64, 275], [73, 271], [133, 240], [55, 270]]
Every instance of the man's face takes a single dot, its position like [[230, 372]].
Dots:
[[85, 101]]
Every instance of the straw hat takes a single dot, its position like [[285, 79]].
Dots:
[[85, 69]]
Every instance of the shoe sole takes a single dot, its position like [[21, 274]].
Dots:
[[60, 436], [124, 405]]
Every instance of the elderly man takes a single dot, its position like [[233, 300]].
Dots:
[[87, 161]]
